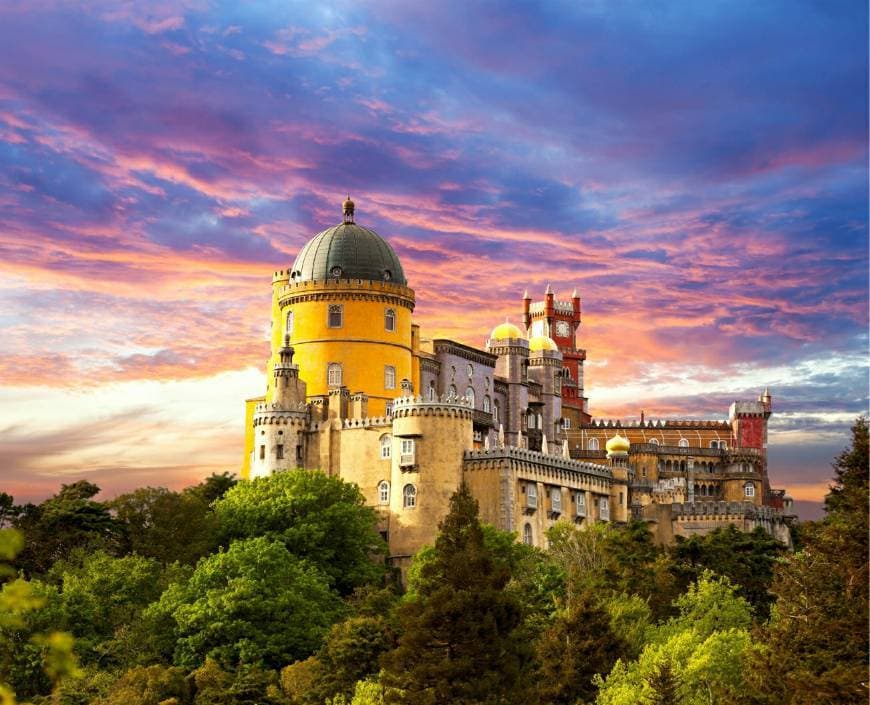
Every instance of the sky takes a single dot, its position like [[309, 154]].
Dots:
[[697, 170]]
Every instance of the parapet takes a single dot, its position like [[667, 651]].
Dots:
[[556, 462], [445, 405]]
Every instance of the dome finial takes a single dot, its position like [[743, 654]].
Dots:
[[347, 209]]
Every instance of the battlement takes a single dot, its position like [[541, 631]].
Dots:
[[442, 406], [368, 422], [736, 510], [556, 462], [686, 424], [346, 288]]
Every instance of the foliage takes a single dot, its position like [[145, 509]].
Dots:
[[319, 518], [253, 603], [33, 656], [248, 685], [747, 559], [165, 525], [815, 647], [69, 519], [148, 685], [699, 652], [458, 641], [579, 645]]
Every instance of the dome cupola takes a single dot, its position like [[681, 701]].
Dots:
[[348, 251], [506, 331]]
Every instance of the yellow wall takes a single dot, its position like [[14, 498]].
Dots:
[[250, 405], [362, 346]]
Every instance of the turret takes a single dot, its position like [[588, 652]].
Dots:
[[527, 304]]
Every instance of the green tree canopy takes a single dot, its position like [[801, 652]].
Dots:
[[458, 642], [253, 603], [321, 519]]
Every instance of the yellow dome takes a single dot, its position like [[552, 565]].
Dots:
[[542, 342], [617, 444], [506, 330]]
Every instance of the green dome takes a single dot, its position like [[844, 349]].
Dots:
[[348, 251]]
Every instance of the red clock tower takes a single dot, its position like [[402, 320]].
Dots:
[[560, 320]]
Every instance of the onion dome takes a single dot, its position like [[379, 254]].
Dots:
[[539, 343], [618, 445], [506, 330], [348, 251]]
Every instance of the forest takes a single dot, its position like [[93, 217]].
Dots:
[[277, 592]]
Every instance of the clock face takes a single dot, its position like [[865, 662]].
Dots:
[[563, 329]]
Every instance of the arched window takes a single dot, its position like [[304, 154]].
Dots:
[[528, 538], [469, 397], [289, 329], [389, 377], [409, 497], [431, 391], [495, 411], [749, 489], [452, 393], [386, 446], [383, 492], [333, 374], [390, 319], [336, 316], [684, 443], [592, 444], [654, 441], [487, 405]]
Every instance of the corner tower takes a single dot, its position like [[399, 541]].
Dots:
[[346, 307]]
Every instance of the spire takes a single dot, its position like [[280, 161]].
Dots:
[[526, 295], [501, 435], [566, 451], [574, 294], [545, 448], [549, 291], [347, 210]]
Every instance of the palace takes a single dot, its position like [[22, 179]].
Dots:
[[355, 390]]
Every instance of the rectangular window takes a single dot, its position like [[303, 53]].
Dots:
[[566, 423], [336, 316], [407, 446], [388, 411], [262, 452], [299, 454], [333, 374], [531, 496], [556, 499], [389, 377], [279, 451], [580, 500], [605, 509]]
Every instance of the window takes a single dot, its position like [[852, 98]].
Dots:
[[388, 409], [621, 499], [469, 397], [487, 405], [409, 497], [531, 496], [495, 411], [389, 377], [580, 501], [386, 446], [407, 446], [431, 391], [469, 370], [684, 443], [592, 444], [336, 316], [333, 374], [749, 489], [451, 395], [604, 504], [383, 492], [723, 445], [556, 499], [566, 423], [390, 319], [654, 441], [714, 444], [262, 452], [289, 330], [528, 538], [279, 451]]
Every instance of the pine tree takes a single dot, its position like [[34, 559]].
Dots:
[[664, 685], [458, 644]]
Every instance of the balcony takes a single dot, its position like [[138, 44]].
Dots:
[[482, 418], [407, 460]]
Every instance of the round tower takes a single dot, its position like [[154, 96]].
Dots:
[[429, 441], [347, 308]]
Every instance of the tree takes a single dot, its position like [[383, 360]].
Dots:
[[747, 559], [579, 645], [253, 603], [169, 526], [148, 685], [321, 519], [458, 642], [215, 486], [815, 646], [248, 685], [63, 522], [703, 647]]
